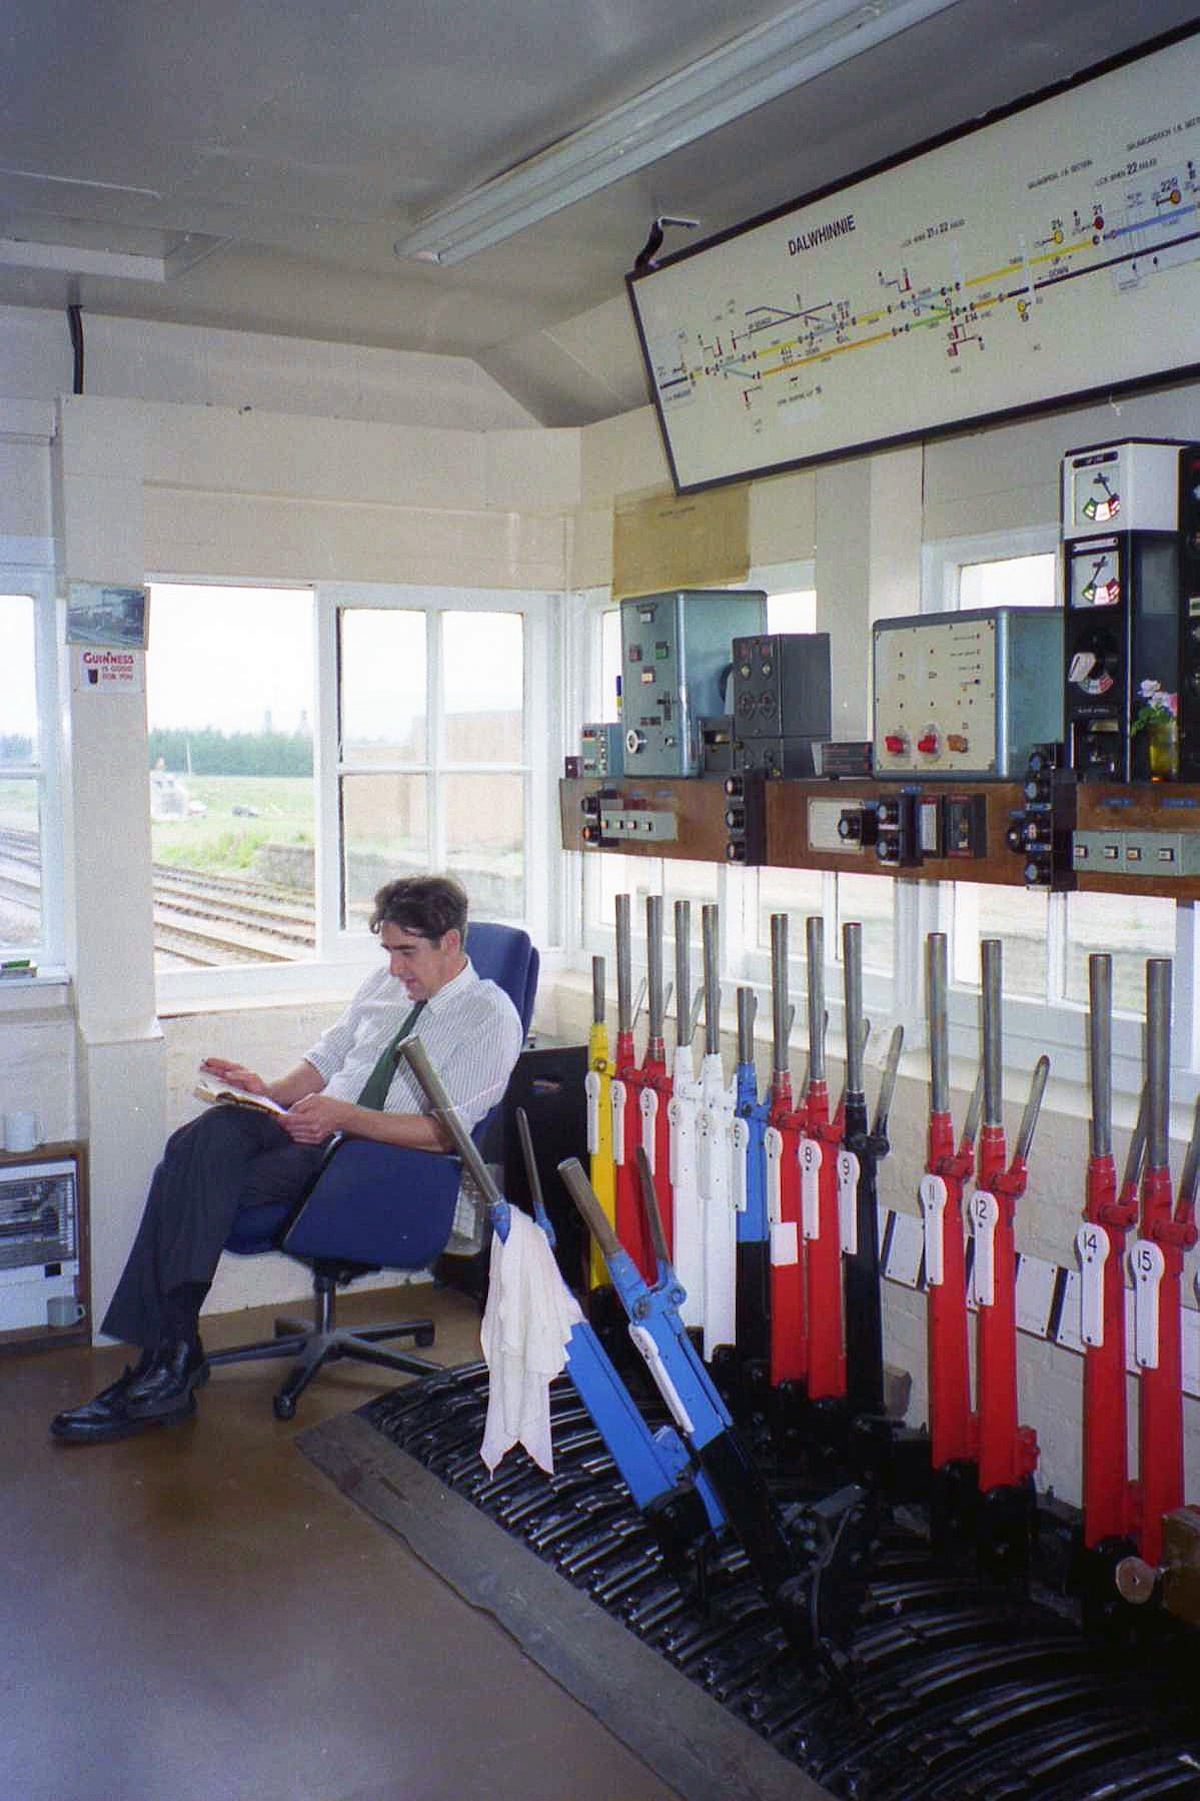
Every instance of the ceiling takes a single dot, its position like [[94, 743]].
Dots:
[[249, 165]]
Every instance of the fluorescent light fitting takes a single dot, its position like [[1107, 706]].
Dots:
[[759, 66], [28, 253]]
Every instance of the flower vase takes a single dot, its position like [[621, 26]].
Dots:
[[1162, 748]]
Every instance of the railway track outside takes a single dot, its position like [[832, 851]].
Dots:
[[200, 918]]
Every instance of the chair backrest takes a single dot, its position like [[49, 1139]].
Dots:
[[506, 955]]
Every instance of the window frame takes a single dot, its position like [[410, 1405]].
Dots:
[[338, 950], [20, 578]]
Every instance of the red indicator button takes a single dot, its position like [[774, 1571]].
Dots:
[[894, 743], [928, 745], [957, 742]]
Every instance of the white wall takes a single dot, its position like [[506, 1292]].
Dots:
[[190, 365]]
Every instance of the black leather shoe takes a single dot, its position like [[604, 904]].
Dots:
[[103, 1417], [164, 1390]]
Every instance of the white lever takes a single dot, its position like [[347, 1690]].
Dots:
[[810, 1187], [741, 1150], [847, 1177], [648, 1102], [773, 1152], [1149, 1266], [1091, 1248], [591, 1087], [662, 1380], [618, 1113], [985, 1217], [933, 1197]]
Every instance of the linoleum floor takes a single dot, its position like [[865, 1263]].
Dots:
[[198, 1615]]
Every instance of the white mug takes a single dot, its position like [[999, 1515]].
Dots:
[[21, 1132], [64, 1310]]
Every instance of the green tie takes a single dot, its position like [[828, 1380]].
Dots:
[[375, 1089]]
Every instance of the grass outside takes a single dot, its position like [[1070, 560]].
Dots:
[[19, 806], [242, 813]]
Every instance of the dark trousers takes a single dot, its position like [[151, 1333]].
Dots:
[[227, 1159]]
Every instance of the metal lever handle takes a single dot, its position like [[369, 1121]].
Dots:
[[658, 1237], [1135, 1156], [1100, 1051], [857, 1029], [683, 971], [1189, 1182], [531, 1171], [887, 1084], [413, 1052], [597, 991], [1033, 1107], [593, 1214], [970, 1130], [624, 937], [747, 1007]]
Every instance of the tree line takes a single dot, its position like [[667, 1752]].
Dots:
[[210, 752]]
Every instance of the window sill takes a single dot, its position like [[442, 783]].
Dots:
[[47, 993], [316, 991]]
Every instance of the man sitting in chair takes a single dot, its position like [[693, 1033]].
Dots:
[[235, 1156]]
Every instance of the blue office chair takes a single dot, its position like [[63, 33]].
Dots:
[[371, 1207]]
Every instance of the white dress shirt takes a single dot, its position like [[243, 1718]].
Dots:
[[469, 1028]]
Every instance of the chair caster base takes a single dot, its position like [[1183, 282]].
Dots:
[[284, 1407], [424, 1337]]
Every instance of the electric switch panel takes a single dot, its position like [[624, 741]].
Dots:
[[967, 694], [781, 687], [676, 656], [1152, 854], [638, 823], [1121, 488]]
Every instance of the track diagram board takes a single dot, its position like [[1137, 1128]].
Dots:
[[1047, 254]]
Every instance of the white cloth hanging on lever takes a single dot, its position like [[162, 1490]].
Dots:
[[529, 1317]]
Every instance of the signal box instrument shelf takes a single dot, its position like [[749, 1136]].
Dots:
[[1122, 838]]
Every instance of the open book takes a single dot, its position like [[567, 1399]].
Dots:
[[212, 1088]]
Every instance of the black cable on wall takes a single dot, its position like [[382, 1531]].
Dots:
[[75, 324]]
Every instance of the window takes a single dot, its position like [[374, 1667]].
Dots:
[[1001, 569], [433, 772], [1130, 928], [1009, 581], [307, 745], [230, 705], [30, 819]]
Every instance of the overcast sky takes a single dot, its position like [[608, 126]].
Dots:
[[18, 708], [225, 657]]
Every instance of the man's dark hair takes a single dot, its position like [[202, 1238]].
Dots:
[[429, 905]]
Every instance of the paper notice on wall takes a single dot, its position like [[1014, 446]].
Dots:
[[107, 671], [662, 542]]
